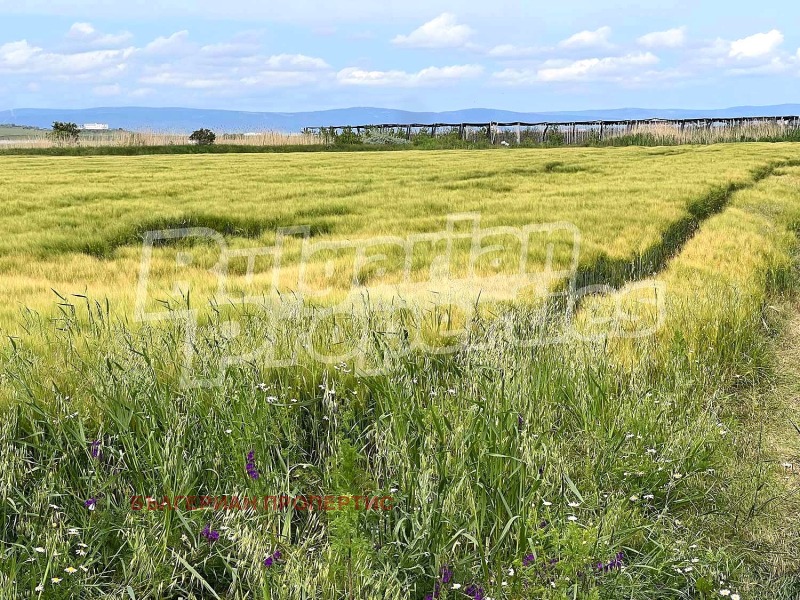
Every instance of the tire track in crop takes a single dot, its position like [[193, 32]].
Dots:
[[617, 272]]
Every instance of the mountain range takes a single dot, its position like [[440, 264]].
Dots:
[[188, 119]]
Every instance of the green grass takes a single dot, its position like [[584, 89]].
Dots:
[[655, 446]]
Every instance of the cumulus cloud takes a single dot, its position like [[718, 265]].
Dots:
[[425, 77], [442, 32], [22, 57], [614, 68], [671, 38], [756, 46], [166, 45], [86, 33], [588, 39]]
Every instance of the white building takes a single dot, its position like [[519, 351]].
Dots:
[[95, 126]]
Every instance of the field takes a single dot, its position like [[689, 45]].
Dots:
[[636, 454]]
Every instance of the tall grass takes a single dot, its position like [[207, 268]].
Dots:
[[128, 139]]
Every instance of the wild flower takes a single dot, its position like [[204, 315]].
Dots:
[[70, 570], [528, 560], [39, 588], [251, 465], [447, 574], [612, 565], [475, 592], [55, 580], [39, 549], [208, 533], [91, 503], [273, 558], [95, 449]]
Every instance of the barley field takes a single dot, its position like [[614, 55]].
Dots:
[[617, 425]]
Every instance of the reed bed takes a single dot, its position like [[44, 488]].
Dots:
[[138, 139]]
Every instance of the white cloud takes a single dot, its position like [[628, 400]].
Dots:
[[428, 76], [22, 57], [588, 39], [295, 62], [441, 32], [80, 30], [671, 38], [615, 68], [755, 46], [17, 55], [281, 70], [597, 68], [512, 51], [87, 34], [167, 45]]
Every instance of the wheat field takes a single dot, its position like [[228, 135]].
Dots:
[[600, 464]]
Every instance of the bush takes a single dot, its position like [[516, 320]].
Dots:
[[381, 138], [347, 138], [203, 137], [64, 133]]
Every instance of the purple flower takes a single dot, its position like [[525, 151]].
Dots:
[[273, 558], [91, 503], [612, 565], [475, 592], [208, 533], [528, 560], [447, 574], [251, 465], [95, 449]]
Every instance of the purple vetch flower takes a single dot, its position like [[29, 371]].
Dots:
[[273, 558], [91, 503], [251, 465], [447, 574], [208, 533], [95, 449], [475, 592], [528, 560], [613, 565]]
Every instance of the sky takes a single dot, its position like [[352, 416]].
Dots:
[[300, 55]]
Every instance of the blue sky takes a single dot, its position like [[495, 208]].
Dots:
[[296, 55]]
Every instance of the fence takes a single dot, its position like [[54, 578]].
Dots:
[[582, 132]]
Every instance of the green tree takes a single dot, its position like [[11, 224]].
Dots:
[[203, 137], [64, 133]]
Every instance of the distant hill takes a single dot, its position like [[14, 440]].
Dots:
[[188, 119]]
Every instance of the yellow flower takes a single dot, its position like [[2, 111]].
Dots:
[[55, 579], [70, 570]]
